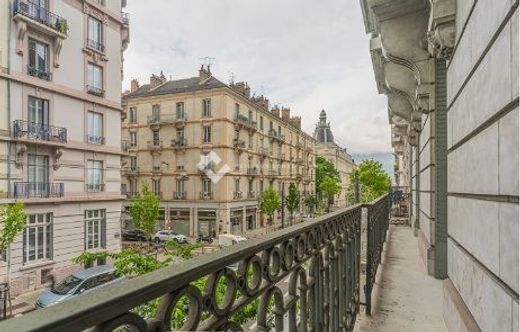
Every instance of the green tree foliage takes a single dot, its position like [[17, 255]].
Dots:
[[144, 211], [269, 202], [324, 169], [184, 251], [12, 221], [330, 186], [292, 200], [373, 181], [312, 203]]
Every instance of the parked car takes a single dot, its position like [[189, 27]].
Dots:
[[166, 235], [133, 235], [78, 283], [203, 238]]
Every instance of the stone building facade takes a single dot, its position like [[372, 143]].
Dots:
[[450, 71], [337, 155], [209, 149], [60, 110]]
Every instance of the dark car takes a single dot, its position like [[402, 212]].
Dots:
[[133, 235]]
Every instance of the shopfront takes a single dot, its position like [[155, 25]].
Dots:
[[207, 220], [236, 218], [250, 218], [180, 221]]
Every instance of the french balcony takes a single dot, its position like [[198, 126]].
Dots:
[[237, 195], [96, 45], [40, 18], [155, 144], [272, 172], [125, 145], [129, 194], [156, 169], [179, 143], [96, 91], [41, 73], [252, 171], [38, 131], [38, 190], [210, 167], [93, 139], [244, 121], [206, 196], [274, 135], [160, 119], [239, 144], [130, 170], [95, 187], [251, 195], [180, 195]]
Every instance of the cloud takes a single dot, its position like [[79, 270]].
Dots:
[[304, 54]]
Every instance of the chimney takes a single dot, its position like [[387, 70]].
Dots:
[[204, 73], [134, 85], [296, 121], [156, 81], [275, 111], [286, 113], [262, 101]]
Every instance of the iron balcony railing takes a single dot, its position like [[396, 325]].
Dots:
[[303, 277], [41, 15], [96, 45], [251, 194], [207, 195], [95, 187], [161, 118], [94, 90], [125, 145], [155, 144], [38, 131], [252, 171], [130, 170], [178, 143], [237, 195], [239, 143], [38, 190], [244, 120], [42, 73], [179, 195], [94, 139], [276, 135]]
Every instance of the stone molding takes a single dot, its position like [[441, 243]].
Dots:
[[441, 29]]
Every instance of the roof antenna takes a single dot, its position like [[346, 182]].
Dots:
[[207, 61], [231, 78]]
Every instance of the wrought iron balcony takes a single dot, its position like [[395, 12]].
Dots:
[[237, 195], [178, 143], [206, 196], [251, 194], [321, 259], [155, 144], [38, 190], [130, 170], [38, 131], [179, 195], [276, 135], [40, 14], [93, 139], [252, 171], [95, 187], [96, 45], [162, 118], [239, 143], [245, 121], [96, 91], [44, 74], [125, 145]]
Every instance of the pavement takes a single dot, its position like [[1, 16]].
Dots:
[[404, 298]]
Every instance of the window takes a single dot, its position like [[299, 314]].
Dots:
[[261, 123], [133, 162], [133, 115], [95, 34], [179, 187], [156, 138], [179, 108], [37, 238], [38, 112], [206, 107], [95, 128], [261, 186], [279, 130], [271, 125], [206, 187], [133, 186], [156, 112], [237, 110], [95, 229], [237, 185], [156, 187], [38, 65], [250, 116], [207, 134], [38, 175], [133, 139], [95, 80], [94, 175]]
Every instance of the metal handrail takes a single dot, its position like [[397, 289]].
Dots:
[[38, 131], [38, 190], [41, 15], [320, 258]]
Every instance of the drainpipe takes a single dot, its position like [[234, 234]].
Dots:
[[8, 258]]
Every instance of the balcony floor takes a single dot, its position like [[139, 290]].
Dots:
[[404, 298]]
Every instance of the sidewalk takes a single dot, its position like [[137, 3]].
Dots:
[[405, 298]]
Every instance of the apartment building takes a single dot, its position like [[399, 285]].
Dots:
[[337, 155], [208, 149], [60, 150]]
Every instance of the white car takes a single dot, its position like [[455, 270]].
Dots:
[[166, 235]]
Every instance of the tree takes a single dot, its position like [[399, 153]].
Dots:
[[324, 169], [312, 203], [330, 186], [373, 180], [269, 202], [12, 221], [292, 200], [144, 211]]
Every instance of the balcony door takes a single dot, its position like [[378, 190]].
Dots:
[[38, 118], [40, 9], [38, 175], [38, 59]]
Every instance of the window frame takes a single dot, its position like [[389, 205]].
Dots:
[[93, 220], [46, 227]]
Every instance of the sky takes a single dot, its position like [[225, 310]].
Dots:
[[308, 55]]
